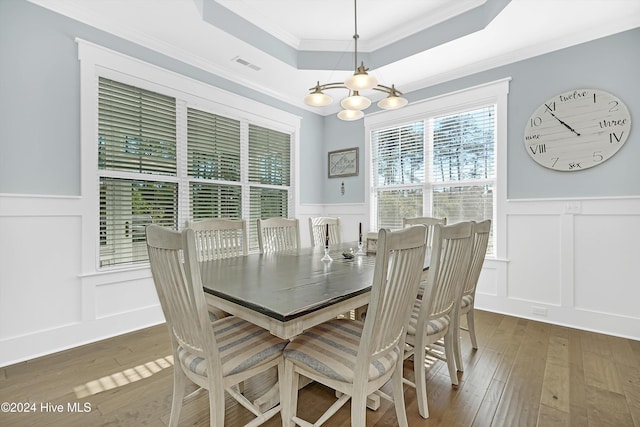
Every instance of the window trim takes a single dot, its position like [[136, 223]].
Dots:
[[495, 92], [98, 61]]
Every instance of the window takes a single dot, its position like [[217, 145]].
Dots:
[[161, 147], [213, 162], [269, 177], [141, 181], [136, 167], [440, 161], [398, 173], [463, 165]]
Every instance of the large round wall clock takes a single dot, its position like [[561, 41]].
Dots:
[[577, 129]]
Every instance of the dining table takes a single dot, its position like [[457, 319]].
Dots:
[[288, 292]]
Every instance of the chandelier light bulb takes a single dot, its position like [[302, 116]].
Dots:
[[392, 102], [349, 115], [361, 80], [317, 98], [355, 102]]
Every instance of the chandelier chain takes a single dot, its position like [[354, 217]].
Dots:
[[355, 34]]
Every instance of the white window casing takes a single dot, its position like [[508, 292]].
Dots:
[[419, 165], [192, 99]]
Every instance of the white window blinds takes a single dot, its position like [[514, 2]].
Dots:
[[463, 166], [213, 159], [219, 167], [399, 155], [440, 166], [213, 146], [398, 173], [269, 176], [137, 130], [136, 168], [269, 156]]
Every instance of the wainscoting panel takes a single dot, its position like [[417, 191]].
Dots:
[[47, 302], [118, 298], [573, 262], [39, 261], [489, 279], [607, 259], [533, 247]]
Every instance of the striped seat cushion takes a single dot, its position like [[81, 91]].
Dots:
[[331, 350], [241, 344], [434, 326], [467, 300]]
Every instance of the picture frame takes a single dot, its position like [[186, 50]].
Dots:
[[343, 163]]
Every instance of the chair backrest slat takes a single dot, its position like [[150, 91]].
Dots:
[[278, 234], [478, 252], [318, 230], [428, 221], [448, 267], [218, 238], [398, 268]]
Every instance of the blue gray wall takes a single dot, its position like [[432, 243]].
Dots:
[[40, 117], [40, 102], [611, 63]]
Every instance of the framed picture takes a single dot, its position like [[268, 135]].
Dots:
[[343, 163]]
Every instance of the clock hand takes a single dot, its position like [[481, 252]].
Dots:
[[563, 123]]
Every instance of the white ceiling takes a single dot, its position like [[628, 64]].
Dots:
[[524, 28], [329, 24]]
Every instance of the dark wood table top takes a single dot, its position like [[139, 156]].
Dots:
[[287, 285]]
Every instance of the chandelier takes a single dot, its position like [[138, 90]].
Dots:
[[354, 103]]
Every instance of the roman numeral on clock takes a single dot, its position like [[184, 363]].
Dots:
[[613, 136], [538, 149]]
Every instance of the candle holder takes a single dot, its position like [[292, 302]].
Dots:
[[326, 256], [360, 251]]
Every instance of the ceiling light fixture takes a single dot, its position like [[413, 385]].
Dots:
[[360, 81]]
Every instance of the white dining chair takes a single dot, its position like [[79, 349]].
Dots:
[[318, 230], [218, 238], [433, 312], [278, 234], [216, 356], [356, 358], [466, 302]]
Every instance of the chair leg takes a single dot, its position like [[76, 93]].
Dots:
[[421, 379], [216, 407], [449, 352], [456, 345], [398, 396], [359, 409], [179, 384], [288, 394], [471, 324]]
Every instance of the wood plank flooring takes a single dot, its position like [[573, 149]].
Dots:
[[525, 373]]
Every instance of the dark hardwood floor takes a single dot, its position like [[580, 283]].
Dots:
[[526, 373]]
